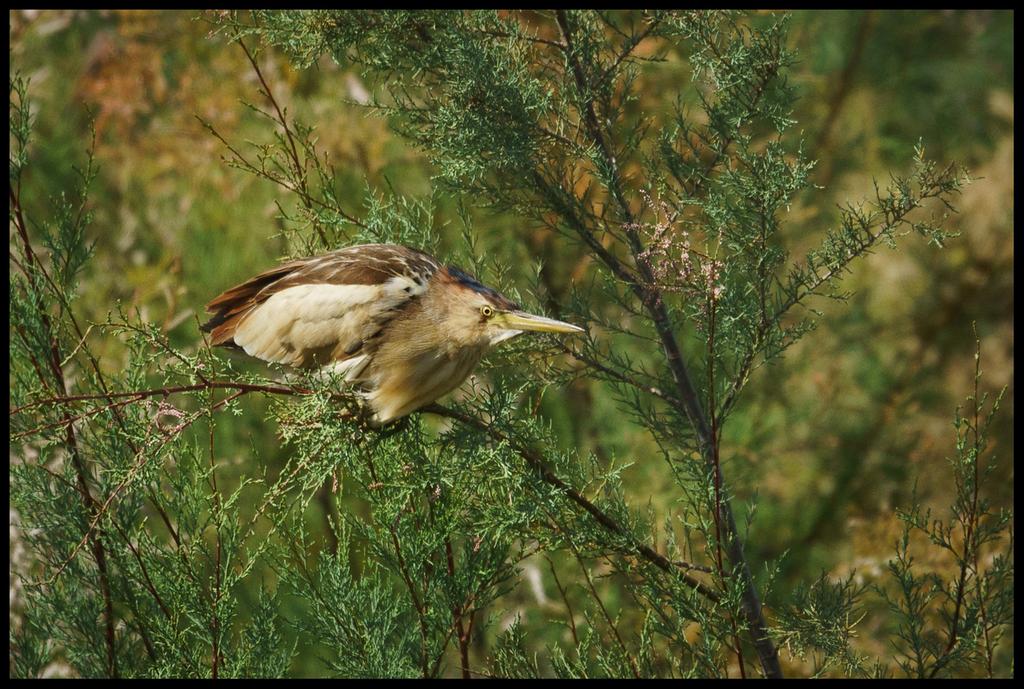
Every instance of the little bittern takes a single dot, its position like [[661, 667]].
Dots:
[[402, 327]]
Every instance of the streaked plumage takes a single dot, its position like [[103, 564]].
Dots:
[[398, 324]]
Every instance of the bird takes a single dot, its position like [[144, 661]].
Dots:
[[396, 323]]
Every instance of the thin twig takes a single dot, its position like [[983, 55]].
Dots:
[[298, 168], [604, 610], [969, 554], [215, 653], [565, 599]]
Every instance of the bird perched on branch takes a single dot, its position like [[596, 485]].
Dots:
[[398, 324]]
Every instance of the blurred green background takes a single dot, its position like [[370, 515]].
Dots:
[[831, 439]]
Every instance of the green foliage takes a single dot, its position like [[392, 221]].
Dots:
[[976, 606], [166, 533]]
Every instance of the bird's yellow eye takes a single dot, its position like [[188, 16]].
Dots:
[[487, 311]]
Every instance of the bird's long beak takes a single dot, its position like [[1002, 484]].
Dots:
[[520, 320]]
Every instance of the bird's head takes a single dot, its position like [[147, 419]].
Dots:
[[480, 316]]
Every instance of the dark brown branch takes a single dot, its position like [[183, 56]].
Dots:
[[167, 391], [470, 608], [463, 639]]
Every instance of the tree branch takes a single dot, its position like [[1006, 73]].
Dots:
[[686, 392]]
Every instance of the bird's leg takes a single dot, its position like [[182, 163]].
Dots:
[[390, 429]]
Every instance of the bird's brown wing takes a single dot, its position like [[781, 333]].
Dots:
[[322, 309]]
